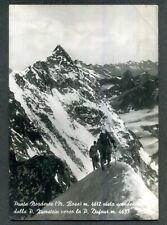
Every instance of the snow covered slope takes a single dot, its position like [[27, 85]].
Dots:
[[144, 123], [117, 193]]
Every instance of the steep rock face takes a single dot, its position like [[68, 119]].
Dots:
[[38, 179], [63, 99], [36, 174], [61, 58], [52, 97], [25, 139]]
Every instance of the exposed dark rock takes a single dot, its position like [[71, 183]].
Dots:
[[34, 180], [132, 92]]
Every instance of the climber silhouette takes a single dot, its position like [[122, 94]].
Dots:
[[93, 153], [105, 143]]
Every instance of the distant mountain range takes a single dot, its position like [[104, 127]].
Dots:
[[119, 69]]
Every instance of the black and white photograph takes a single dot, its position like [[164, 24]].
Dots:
[[83, 112]]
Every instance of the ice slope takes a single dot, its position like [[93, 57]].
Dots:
[[144, 123], [125, 192]]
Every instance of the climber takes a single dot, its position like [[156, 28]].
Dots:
[[94, 155], [110, 145], [105, 143]]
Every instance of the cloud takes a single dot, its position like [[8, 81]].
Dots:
[[95, 34]]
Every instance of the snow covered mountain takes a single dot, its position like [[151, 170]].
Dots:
[[130, 92], [117, 194], [120, 68], [58, 106]]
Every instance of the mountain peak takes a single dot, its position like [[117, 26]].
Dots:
[[61, 57], [58, 48]]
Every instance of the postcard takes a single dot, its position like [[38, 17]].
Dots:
[[83, 112]]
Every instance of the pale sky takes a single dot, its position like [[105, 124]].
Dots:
[[96, 34]]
